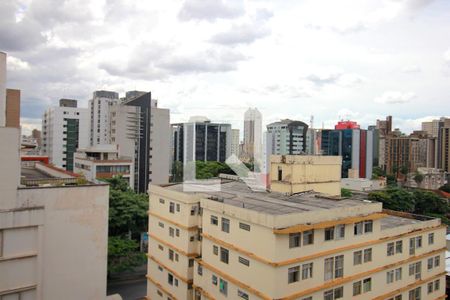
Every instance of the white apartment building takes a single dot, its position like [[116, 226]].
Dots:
[[287, 137], [235, 142], [103, 162], [64, 130], [239, 244], [142, 132], [53, 230], [99, 108]]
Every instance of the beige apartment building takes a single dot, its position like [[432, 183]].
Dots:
[[239, 244]]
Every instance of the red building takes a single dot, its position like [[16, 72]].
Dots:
[[346, 125]]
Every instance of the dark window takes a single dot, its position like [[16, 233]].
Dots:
[[295, 239], [225, 225], [224, 255]]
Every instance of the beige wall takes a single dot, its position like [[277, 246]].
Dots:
[[306, 172]]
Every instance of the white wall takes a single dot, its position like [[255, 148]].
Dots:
[[160, 144]]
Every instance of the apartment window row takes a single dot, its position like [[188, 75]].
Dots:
[[415, 243], [225, 223], [361, 256], [433, 262], [172, 280], [333, 294], [294, 272], [415, 269], [173, 256], [335, 232], [225, 256], [295, 239], [174, 232], [363, 227], [394, 248], [394, 275], [223, 284], [433, 286], [334, 267], [362, 286]]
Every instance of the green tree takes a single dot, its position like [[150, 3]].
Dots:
[[445, 188], [378, 172], [346, 193], [123, 254], [429, 203], [418, 178], [395, 199]]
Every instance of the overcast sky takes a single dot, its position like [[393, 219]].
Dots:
[[358, 60]]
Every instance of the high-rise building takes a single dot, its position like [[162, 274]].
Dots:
[[238, 244], [99, 108], [435, 130], [404, 154], [49, 234], [201, 140], [235, 142], [142, 132], [382, 129], [12, 108], [36, 134], [64, 130], [287, 137], [444, 135], [252, 144], [354, 145]]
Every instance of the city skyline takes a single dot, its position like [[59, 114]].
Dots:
[[274, 56]]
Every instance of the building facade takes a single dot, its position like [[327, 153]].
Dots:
[[103, 162], [142, 132], [99, 108], [235, 142], [53, 229], [203, 141], [302, 246], [64, 130], [12, 108], [444, 145], [252, 144], [287, 137], [404, 154], [354, 145]]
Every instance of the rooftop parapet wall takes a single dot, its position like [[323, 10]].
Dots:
[[306, 159]]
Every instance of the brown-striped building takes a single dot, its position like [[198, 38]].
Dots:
[[239, 244]]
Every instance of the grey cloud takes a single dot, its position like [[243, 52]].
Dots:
[[211, 10], [50, 12], [318, 80]]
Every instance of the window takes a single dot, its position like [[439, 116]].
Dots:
[[334, 267], [430, 263], [368, 226], [172, 207], [191, 263], [329, 233], [337, 293], [161, 200], [215, 250], [280, 174], [357, 258], [160, 247], [223, 286], [431, 238], [242, 295], [244, 226], [340, 232], [358, 228], [437, 261], [160, 268], [178, 207], [171, 231], [307, 270], [357, 288], [308, 237], [176, 282], [177, 232], [214, 220], [398, 274], [367, 285], [367, 255], [193, 210], [294, 239], [171, 254], [293, 274], [214, 279], [390, 249], [170, 278], [199, 270], [415, 269], [419, 242], [430, 286], [159, 293], [176, 256], [398, 246], [398, 297], [437, 284], [307, 298], [415, 294], [225, 225], [161, 224], [244, 261], [390, 276], [224, 255]]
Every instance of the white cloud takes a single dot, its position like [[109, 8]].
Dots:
[[394, 97], [211, 10], [16, 64], [447, 56], [411, 69]]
